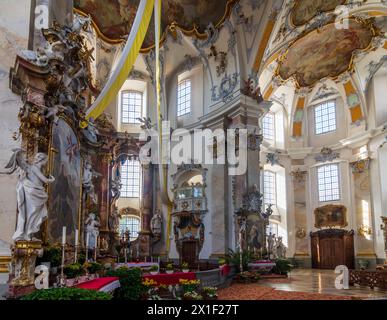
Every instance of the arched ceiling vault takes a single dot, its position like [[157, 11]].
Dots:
[[113, 19], [306, 49]]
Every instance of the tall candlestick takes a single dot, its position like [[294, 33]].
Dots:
[[64, 235], [76, 237], [76, 247], [87, 247]]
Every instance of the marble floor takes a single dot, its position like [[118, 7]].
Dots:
[[321, 281]]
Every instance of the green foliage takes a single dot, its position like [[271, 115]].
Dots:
[[282, 266], [81, 258], [67, 294], [169, 267], [94, 267], [185, 265], [234, 258], [131, 283], [154, 269], [73, 270], [52, 255]]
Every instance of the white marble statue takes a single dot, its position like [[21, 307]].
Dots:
[[92, 231], [31, 194], [87, 181], [279, 249], [156, 223], [270, 244]]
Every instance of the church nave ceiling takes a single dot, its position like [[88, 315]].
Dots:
[[114, 18], [327, 52], [305, 10]]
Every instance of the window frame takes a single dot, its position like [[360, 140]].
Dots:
[[318, 120], [323, 197], [129, 193], [274, 187], [136, 122], [179, 110], [272, 114]]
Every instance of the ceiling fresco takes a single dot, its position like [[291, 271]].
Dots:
[[322, 53], [305, 10], [114, 18]]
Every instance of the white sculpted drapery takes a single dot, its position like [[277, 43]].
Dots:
[[31, 194]]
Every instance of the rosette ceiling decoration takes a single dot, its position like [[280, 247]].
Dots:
[[113, 19]]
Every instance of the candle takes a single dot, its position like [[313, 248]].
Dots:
[[87, 240], [76, 237], [64, 236]]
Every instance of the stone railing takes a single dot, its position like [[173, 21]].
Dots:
[[215, 278]]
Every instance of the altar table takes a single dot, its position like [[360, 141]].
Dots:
[[141, 265], [171, 279], [264, 264], [107, 284]]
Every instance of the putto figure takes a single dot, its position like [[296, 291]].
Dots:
[[31, 194]]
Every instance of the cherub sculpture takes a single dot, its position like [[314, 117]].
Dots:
[[31, 194]]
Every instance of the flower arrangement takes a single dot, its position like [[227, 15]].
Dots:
[[210, 293], [149, 283], [185, 267], [154, 270], [192, 295], [169, 268], [73, 270], [222, 262], [189, 285]]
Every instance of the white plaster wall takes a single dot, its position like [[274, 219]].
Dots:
[[380, 86], [14, 30]]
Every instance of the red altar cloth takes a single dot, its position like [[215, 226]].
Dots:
[[170, 279], [97, 284], [225, 270]]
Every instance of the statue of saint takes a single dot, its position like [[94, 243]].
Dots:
[[270, 243], [87, 181], [31, 194], [280, 249], [92, 230], [156, 223], [114, 220]]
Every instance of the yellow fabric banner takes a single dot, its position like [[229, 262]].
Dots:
[[130, 54]]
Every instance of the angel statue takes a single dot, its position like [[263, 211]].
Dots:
[[31, 194]]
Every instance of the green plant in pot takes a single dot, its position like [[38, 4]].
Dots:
[[93, 267], [154, 270], [282, 266], [210, 293], [73, 270], [185, 267], [169, 269], [52, 257]]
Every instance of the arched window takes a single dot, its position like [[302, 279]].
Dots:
[[130, 179], [268, 126], [131, 224], [325, 117], [131, 107], [269, 188], [184, 98], [328, 183]]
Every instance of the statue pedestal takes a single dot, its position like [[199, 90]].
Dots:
[[144, 244], [22, 277]]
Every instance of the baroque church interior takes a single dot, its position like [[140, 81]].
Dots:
[[227, 143]]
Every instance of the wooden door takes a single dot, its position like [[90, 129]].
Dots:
[[331, 248], [189, 252]]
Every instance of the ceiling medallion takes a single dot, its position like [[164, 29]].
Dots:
[[325, 53]]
